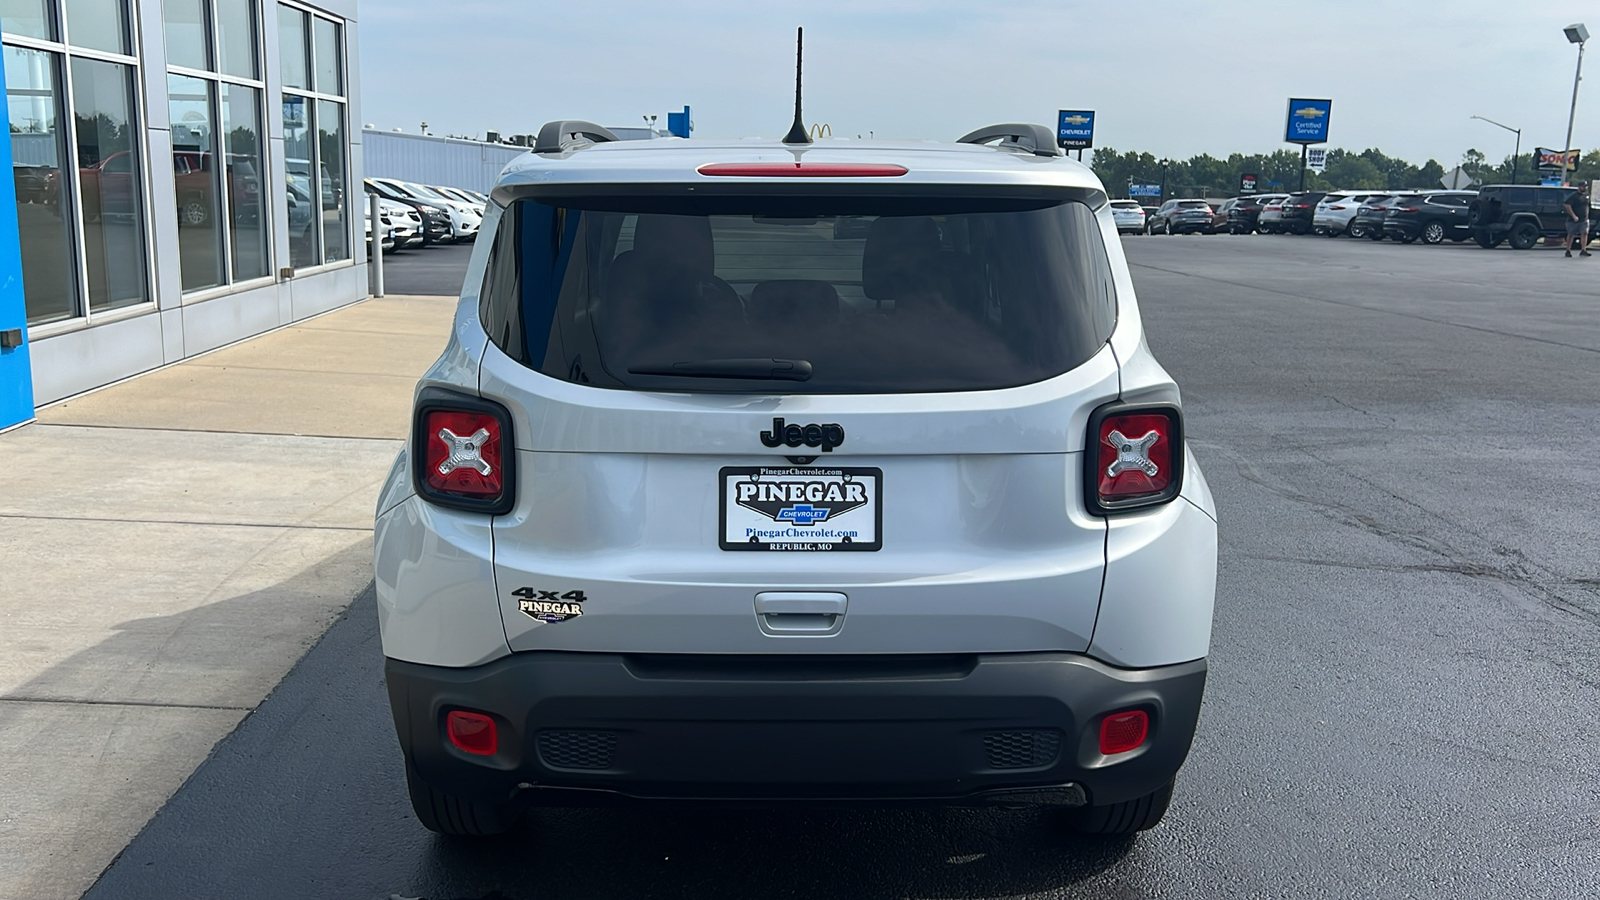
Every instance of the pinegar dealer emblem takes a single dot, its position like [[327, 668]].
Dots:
[[800, 502], [825, 436], [549, 606]]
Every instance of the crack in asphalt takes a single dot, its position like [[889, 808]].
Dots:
[[1518, 572]]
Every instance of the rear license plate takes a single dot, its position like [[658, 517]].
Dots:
[[801, 508]]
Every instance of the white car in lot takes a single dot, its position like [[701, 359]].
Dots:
[[1129, 216], [1336, 211], [711, 498], [465, 219], [406, 222]]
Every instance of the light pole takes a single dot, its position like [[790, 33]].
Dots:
[[1579, 35], [1515, 154], [1164, 164]]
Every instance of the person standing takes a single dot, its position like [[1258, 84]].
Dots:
[[1577, 206]]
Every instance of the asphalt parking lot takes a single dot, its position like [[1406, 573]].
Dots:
[[1403, 699]]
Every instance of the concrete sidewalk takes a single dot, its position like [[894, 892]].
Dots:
[[169, 547]]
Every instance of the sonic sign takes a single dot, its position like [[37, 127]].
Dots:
[[1308, 121], [1075, 129]]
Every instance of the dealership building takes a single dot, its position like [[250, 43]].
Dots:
[[186, 174]]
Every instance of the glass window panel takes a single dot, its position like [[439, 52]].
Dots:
[[196, 176], [326, 36], [242, 143], [33, 104], [330, 154], [236, 38], [292, 47], [30, 18], [110, 192], [99, 24], [299, 151], [184, 23]]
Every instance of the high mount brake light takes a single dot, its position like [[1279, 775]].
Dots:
[[462, 452], [803, 170], [1134, 457]]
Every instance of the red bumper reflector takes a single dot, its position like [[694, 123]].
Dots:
[[1124, 731], [803, 170], [476, 733]]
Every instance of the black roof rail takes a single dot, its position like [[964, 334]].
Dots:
[[1035, 139], [557, 136]]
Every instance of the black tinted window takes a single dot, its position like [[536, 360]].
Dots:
[[871, 299]]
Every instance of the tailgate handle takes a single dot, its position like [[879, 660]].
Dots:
[[800, 613]]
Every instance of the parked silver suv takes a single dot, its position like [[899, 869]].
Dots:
[[831, 471]]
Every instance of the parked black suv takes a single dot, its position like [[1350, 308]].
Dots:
[[1432, 217], [1370, 216], [1298, 210], [1522, 213], [1242, 217]]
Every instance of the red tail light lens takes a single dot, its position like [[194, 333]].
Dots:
[[1124, 731], [1134, 458], [477, 734], [1406, 209], [462, 451]]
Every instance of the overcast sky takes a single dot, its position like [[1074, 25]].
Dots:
[[1173, 78]]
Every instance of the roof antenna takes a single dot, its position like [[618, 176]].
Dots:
[[797, 131]]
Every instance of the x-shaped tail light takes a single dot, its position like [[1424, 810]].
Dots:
[[465, 452], [1132, 454], [1123, 472]]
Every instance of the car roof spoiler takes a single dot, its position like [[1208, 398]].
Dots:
[[1024, 136], [564, 134]]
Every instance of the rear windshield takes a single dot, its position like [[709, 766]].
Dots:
[[1125, 204], [761, 296], [1193, 204]]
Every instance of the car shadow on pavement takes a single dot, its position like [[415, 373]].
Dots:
[[93, 745], [867, 853], [307, 799]]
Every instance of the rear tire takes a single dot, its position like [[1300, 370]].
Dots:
[[1485, 239], [1524, 235], [1433, 233], [1128, 817], [452, 815], [1356, 231]]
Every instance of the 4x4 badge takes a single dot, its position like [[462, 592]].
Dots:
[[549, 606], [825, 436]]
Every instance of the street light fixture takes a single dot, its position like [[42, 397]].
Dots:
[[1576, 34], [1515, 154]]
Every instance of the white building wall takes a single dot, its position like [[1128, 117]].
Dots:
[[426, 159]]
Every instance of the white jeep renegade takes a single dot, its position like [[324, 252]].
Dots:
[[820, 472]]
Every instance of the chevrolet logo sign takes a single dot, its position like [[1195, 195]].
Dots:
[[1076, 120], [1310, 112]]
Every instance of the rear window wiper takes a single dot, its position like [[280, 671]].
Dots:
[[768, 369]]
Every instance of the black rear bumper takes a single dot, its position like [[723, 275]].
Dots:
[[588, 727]]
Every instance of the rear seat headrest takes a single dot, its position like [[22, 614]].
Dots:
[[680, 242], [901, 252]]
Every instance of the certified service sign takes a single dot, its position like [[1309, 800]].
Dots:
[[1308, 121]]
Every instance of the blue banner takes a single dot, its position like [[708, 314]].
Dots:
[[1308, 121], [16, 374], [1136, 189], [1075, 129]]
